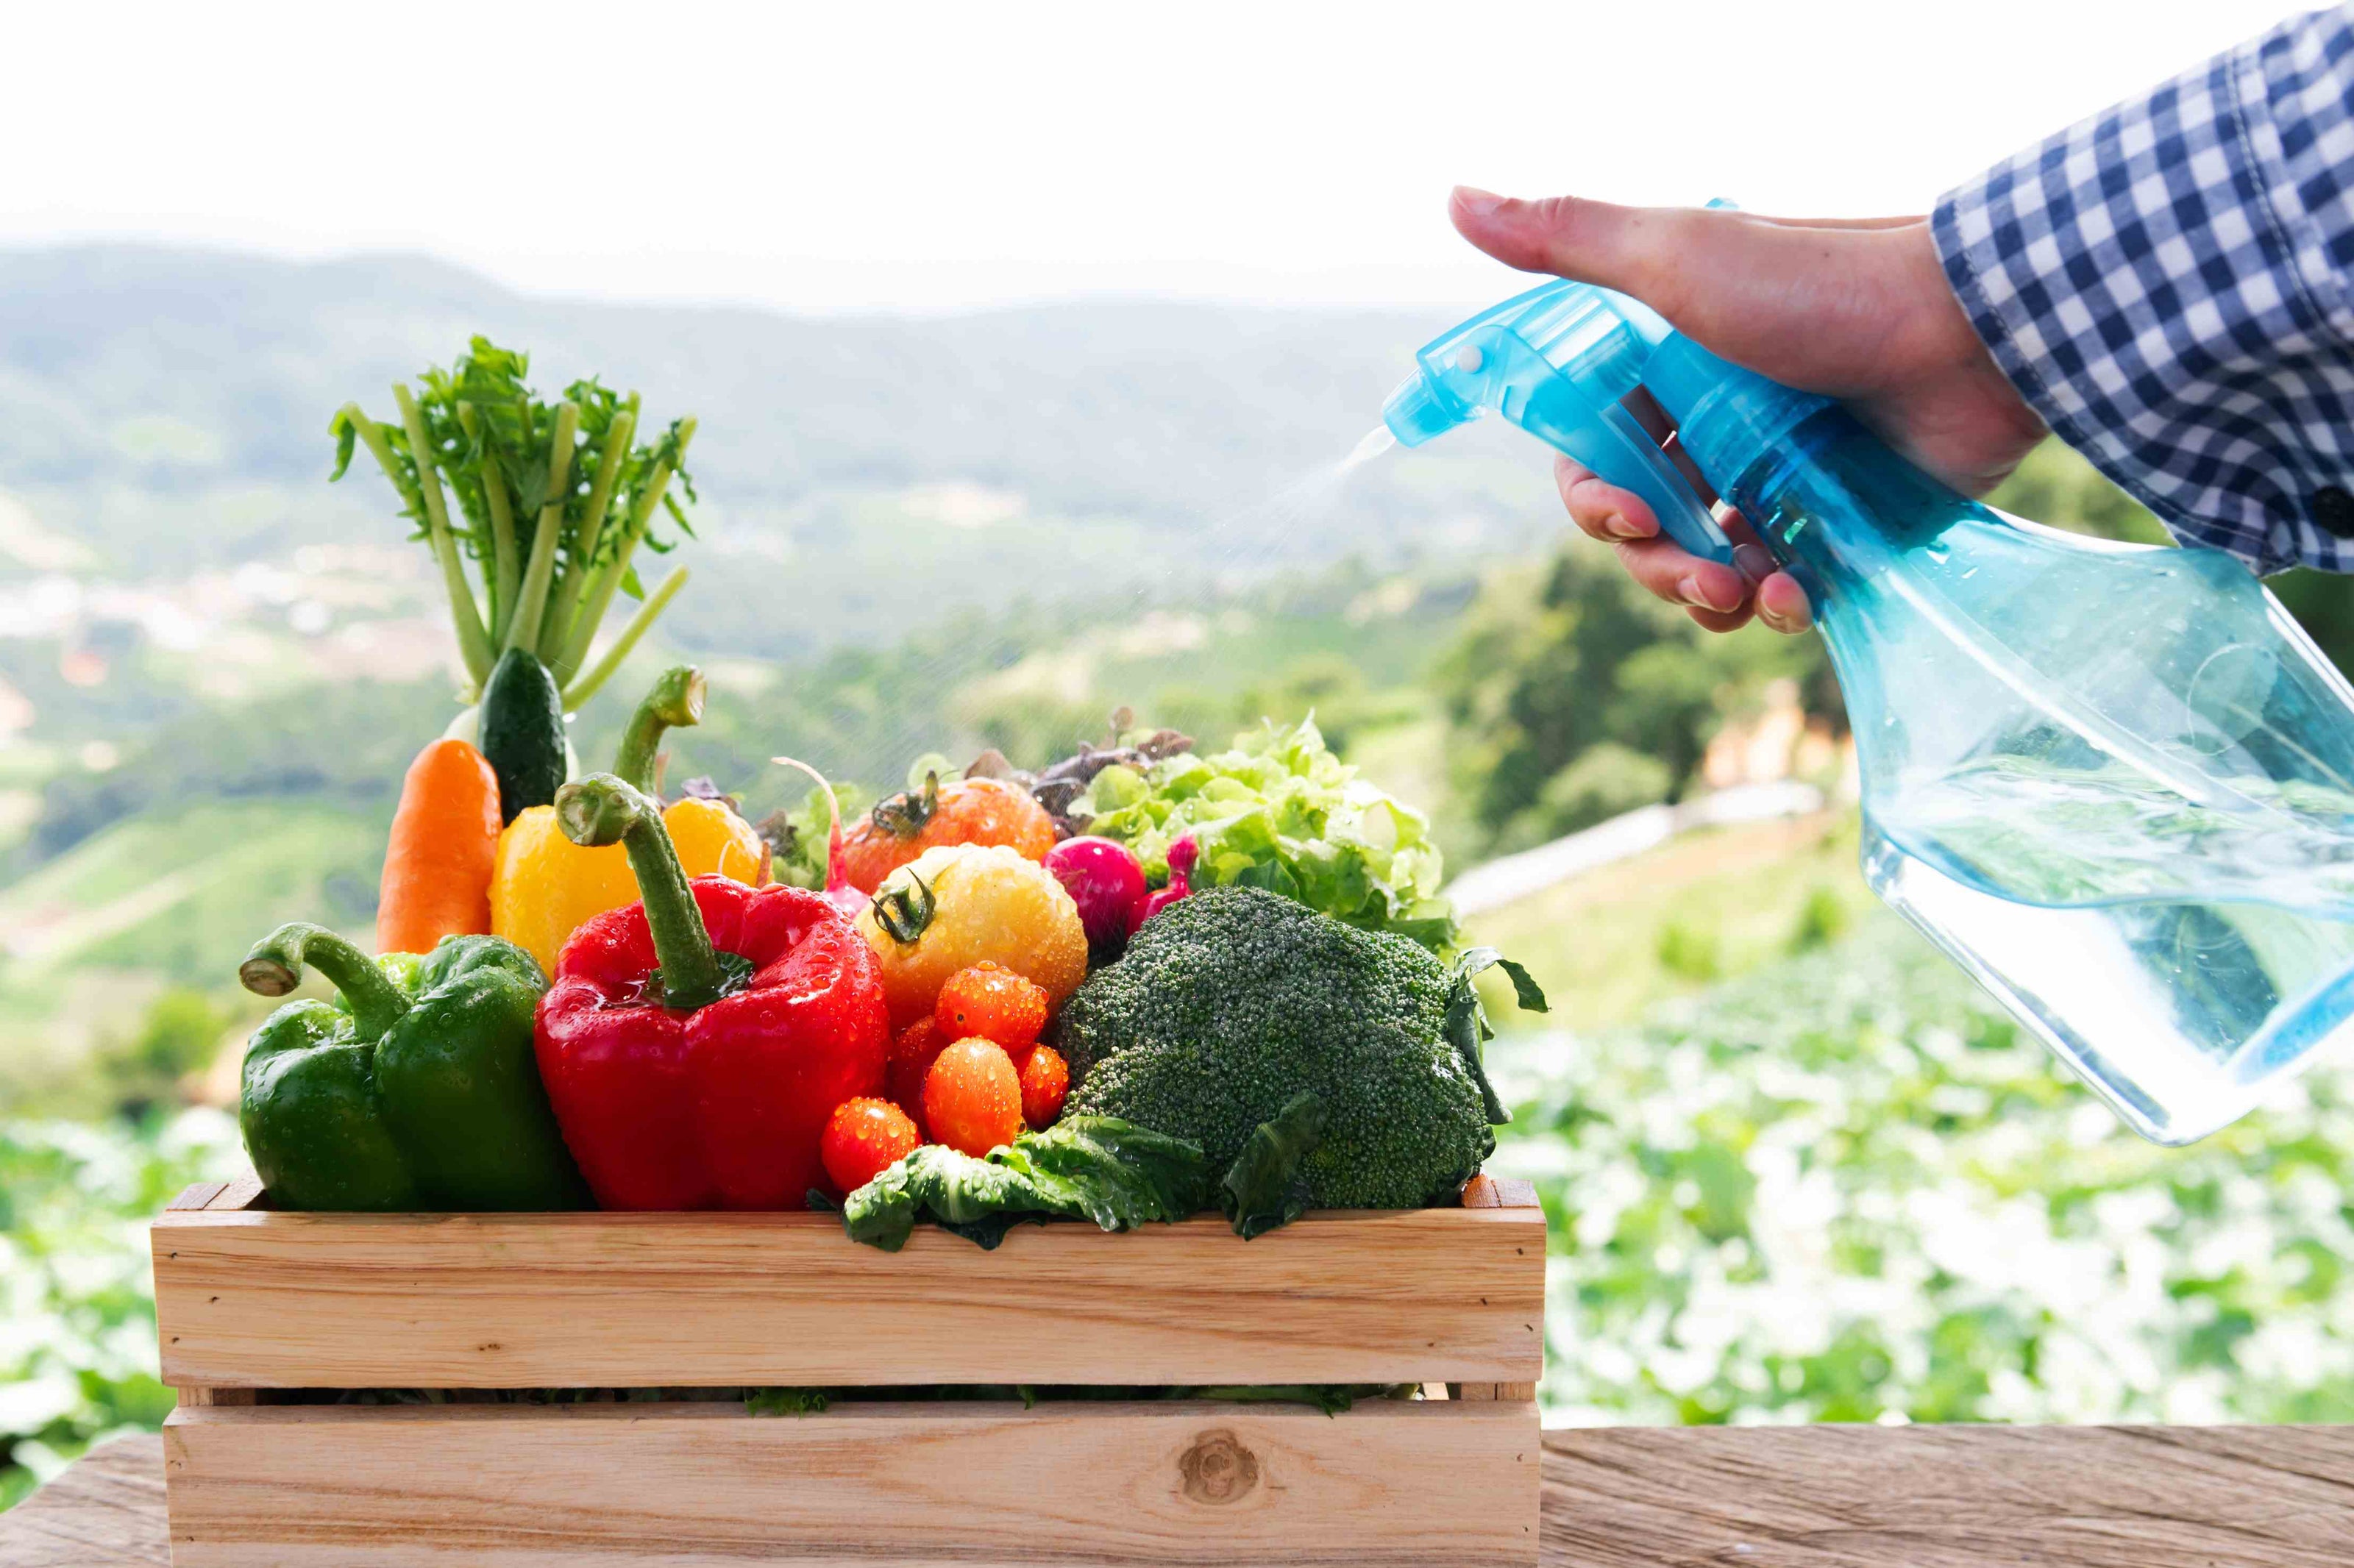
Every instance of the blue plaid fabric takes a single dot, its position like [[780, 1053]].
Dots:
[[2171, 285]]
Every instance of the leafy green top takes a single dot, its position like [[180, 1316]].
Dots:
[[553, 500], [1279, 810]]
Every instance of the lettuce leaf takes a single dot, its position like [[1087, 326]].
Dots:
[[1279, 810], [1095, 1167]]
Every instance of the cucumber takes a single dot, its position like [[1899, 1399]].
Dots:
[[523, 732]]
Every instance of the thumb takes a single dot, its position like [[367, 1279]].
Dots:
[[1620, 248], [1795, 303]]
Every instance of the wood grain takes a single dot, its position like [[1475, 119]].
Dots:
[[193, 1398], [1929, 1496], [1486, 1192], [250, 1299], [522, 1486], [1951, 1497], [241, 1192], [105, 1511]]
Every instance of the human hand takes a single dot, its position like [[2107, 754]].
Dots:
[[1857, 311]]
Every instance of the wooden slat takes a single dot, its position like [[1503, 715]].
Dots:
[[243, 1193], [1486, 1192], [204, 1398], [520, 1487], [196, 1196], [1951, 1497], [266, 1300], [2183, 1497]]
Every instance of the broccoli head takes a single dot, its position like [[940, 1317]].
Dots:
[[1232, 1003]]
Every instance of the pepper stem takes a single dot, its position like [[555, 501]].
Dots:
[[274, 966], [603, 810], [676, 699]]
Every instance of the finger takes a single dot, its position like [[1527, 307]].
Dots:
[[1593, 241], [1684, 465], [1736, 527], [1782, 604], [1603, 510], [1904, 221], [1751, 558], [1650, 415], [1716, 621], [1813, 303], [1660, 427], [1666, 569]]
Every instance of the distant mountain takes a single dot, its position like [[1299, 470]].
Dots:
[[168, 409]]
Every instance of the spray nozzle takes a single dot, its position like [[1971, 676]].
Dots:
[[1556, 361]]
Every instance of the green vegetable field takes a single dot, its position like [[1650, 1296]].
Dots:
[[1848, 1188]]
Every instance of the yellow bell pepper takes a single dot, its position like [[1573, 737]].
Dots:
[[713, 840], [544, 886]]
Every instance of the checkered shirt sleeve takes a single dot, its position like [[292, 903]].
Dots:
[[2170, 284]]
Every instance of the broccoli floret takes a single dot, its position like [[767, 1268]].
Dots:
[[1232, 1002]]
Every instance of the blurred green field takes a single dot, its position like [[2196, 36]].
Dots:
[[1711, 904], [1847, 1187], [151, 907]]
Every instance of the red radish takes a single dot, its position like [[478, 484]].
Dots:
[[1183, 854], [1104, 880], [838, 891]]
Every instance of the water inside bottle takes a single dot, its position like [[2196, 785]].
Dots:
[[2056, 835], [2177, 953]]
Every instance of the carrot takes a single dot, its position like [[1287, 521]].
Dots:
[[437, 870]]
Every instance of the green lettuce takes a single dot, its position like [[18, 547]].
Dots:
[[1095, 1167], [1279, 810]]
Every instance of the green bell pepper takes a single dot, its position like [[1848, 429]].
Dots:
[[416, 1088]]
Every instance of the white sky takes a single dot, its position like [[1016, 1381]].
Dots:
[[925, 156]]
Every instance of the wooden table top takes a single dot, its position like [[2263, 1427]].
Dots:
[[1793, 1497]]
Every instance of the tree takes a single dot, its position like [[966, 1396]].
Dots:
[[1558, 661]]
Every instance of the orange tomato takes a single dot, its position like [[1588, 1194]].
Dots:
[[993, 1003], [863, 1138], [973, 1097], [962, 812], [1046, 1080]]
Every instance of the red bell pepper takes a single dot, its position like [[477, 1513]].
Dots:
[[695, 1043]]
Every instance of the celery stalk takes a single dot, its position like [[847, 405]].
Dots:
[[506, 573], [556, 630], [586, 687], [524, 631]]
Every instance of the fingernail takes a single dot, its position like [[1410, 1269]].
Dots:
[[1693, 594], [1755, 562], [1617, 528], [1477, 202]]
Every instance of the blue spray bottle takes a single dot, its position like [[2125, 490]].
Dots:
[[2115, 783]]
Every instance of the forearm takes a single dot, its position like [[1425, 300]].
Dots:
[[2170, 284]]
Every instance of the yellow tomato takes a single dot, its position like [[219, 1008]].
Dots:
[[983, 901]]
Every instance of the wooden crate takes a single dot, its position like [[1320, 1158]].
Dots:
[[250, 1302]]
